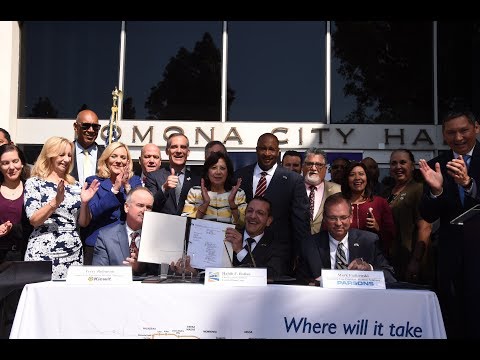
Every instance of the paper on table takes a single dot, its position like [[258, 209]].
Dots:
[[163, 238], [206, 245]]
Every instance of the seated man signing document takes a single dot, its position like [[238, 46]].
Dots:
[[340, 247]]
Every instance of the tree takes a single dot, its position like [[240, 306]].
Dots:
[[387, 70], [191, 85], [43, 108]]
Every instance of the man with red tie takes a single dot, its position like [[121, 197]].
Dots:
[[286, 191]]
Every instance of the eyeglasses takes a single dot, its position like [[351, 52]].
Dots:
[[86, 126], [316, 164], [335, 167], [336, 218]]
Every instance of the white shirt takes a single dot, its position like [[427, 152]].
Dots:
[[333, 249], [129, 234], [244, 252], [318, 196], [79, 155], [257, 174]]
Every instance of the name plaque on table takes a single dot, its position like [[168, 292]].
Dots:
[[99, 275], [352, 279], [236, 276]]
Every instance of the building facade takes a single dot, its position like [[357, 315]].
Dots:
[[355, 88]]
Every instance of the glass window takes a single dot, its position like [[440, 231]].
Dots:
[[382, 72], [173, 70], [68, 66], [458, 70], [276, 71]]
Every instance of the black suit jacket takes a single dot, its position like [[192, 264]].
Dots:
[[74, 172], [267, 254], [166, 203], [452, 268], [361, 244], [286, 192]]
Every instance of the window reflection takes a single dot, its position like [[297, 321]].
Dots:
[[458, 58], [68, 66], [277, 69], [173, 70], [382, 72]]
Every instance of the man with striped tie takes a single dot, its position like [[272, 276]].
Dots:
[[340, 247], [285, 189]]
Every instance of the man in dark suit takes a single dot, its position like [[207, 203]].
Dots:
[[86, 129], [256, 245], [170, 185], [150, 160], [114, 242], [286, 191], [361, 248], [449, 177]]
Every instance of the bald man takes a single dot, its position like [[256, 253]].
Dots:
[[87, 151], [150, 160]]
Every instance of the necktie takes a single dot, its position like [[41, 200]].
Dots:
[[133, 243], [178, 189], [461, 190], [86, 164], [262, 185], [248, 246], [311, 198], [340, 259]]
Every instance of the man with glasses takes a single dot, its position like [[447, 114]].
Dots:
[[284, 189], [87, 151], [314, 170], [359, 249]]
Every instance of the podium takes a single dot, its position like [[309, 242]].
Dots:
[[470, 222], [14, 275]]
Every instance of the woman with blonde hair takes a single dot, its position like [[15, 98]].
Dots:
[[115, 174], [56, 206]]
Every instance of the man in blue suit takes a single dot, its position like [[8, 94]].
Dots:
[[114, 242], [286, 191], [451, 188], [170, 185], [361, 248]]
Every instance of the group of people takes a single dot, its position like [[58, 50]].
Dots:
[[83, 204]]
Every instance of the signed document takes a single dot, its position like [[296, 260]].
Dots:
[[207, 246], [163, 238]]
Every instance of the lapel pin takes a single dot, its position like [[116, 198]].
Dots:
[[284, 177], [355, 244], [188, 178]]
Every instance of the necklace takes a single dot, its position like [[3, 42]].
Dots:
[[11, 193]]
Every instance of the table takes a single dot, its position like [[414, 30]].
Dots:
[[55, 309]]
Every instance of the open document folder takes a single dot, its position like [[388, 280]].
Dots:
[[166, 238]]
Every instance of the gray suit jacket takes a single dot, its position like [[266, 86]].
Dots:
[[111, 247]]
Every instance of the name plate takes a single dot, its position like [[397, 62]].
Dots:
[[352, 279], [104, 275], [236, 276]]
